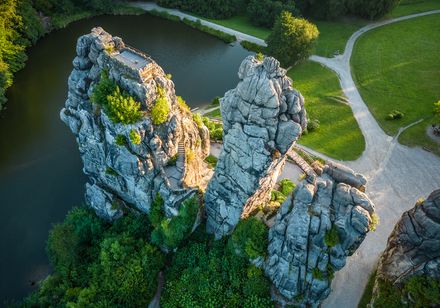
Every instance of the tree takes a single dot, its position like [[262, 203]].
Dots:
[[372, 9], [265, 12], [292, 39]]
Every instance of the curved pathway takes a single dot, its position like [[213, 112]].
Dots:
[[150, 6], [397, 175]]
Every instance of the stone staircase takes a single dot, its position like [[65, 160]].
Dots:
[[180, 163]]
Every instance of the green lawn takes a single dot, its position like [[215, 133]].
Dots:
[[398, 67], [333, 35], [338, 135], [408, 7], [242, 24]]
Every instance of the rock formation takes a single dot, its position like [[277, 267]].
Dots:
[[130, 175], [262, 118], [314, 231], [414, 245]]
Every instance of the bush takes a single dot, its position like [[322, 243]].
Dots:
[[292, 39], [120, 140], [423, 291], [212, 161], [119, 106], [437, 110], [135, 137], [317, 274], [96, 263], [286, 186], [204, 273], [312, 125], [250, 239], [395, 115], [172, 231], [161, 108], [331, 238], [216, 101], [182, 104], [173, 160], [374, 222], [215, 128], [265, 12], [258, 49], [197, 118]]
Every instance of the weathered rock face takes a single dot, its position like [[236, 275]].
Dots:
[[414, 245], [262, 118], [131, 175], [313, 234]]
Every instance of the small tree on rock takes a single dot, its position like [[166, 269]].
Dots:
[[292, 39]]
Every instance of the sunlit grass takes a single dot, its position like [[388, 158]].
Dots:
[[397, 67], [339, 135]]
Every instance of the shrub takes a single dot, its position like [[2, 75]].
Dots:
[[119, 106], [277, 196], [374, 222], [111, 171], [331, 238], [189, 155], [286, 186], [205, 273], [161, 108], [172, 231], [182, 104], [437, 110], [120, 140], [197, 118], [216, 101], [395, 115], [312, 125], [135, 137], [172, 161], [249, 238], [258, 49], [292, 39], [212, 161], [259, 56], [423, 291], [169, 76], [317, 274]]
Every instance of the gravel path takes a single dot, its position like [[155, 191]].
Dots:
[[150, 6], [397, 175]]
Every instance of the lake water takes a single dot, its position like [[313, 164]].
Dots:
[[40, 167]]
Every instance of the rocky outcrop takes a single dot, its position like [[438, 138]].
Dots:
[[262, 118], [314, 231], [414, 245], [128, 174]]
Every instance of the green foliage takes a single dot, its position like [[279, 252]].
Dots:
[[265, 12], [161, 108], [368, 291], [423, 291], [121, 140], [225, 37], [165, 15], [111, 171], [292, 39], [212, 161], [169, 76], [183, 106], [374, 222], [286, 186], [254, 48], [122, 108], [395, 115], [331, 238], [250, 239], [170, 232], [119, 106], [437, 110], [197, 118], [312, 125], [388, 295], [204, 273], [99, 264], [172, 161], [317, 274], [277, 196], [215, 101], [135, 137], [215, 128]]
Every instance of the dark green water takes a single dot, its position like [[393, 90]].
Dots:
[[40, 167]]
